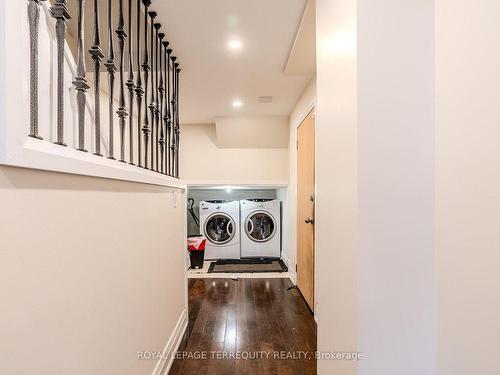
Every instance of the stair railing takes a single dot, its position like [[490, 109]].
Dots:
[[152, 137]]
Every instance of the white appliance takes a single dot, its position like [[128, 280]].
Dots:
[[260, 228], [220, 224]]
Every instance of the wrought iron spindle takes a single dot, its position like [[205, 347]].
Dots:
[[172, 119], [152, 105], [111, 68], [165, 107], [122, 111], [131, 86], [138, 86], [177, 122], [178, 128], [34, 26], [146, 67], [160, 123], [60, 12], [161, 91], [157, 101], [168, 157], [80, 82], [97, 55]]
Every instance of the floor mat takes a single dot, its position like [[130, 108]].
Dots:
[[247, 266]]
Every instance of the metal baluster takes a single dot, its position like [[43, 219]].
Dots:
[[176, 121], [97, 55], [157, 101], [34, 25], [80, 82], [169, 118], [146, 67], [60, 12], [131, 86], [165, 108], [172, 119], [161, 91], [152, 105], [178, 125], [111, 68], [138, 86], [122, 111]]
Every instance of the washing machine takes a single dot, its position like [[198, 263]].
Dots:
[[260, 228], [220, 224]]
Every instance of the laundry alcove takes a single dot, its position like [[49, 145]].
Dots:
[[239, 222]]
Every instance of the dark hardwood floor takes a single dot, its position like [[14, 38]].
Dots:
[[251, 318]]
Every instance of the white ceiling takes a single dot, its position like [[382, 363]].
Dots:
[[302, 59], [213, 75]]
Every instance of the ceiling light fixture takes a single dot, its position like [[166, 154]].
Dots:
[[235, 44], [237, 103]]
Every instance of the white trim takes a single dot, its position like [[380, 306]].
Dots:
[[41, 155], [297, 33], [309, 108], [291, 269], [315, 283], [187, 260], [243, 184], [236, 276], [167, 358], [3, 72]]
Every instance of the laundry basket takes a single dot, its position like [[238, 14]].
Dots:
[[196, 248]]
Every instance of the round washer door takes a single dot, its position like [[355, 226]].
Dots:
[[260, 226], [219, 228]]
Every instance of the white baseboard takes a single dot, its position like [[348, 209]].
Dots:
[[164, 364], [291, 269]]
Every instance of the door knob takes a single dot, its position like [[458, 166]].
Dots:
[[309, 221]]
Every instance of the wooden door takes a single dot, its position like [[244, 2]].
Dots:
[[305, 208]]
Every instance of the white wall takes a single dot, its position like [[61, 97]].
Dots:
[[375, 185], [396, 255], [336, 182], [252, 132], [304, 105], [203, 162], [92, 272], [468, 186]]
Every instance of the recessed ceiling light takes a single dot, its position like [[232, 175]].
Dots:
[[237, 103], [235, 44]]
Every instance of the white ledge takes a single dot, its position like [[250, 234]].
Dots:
[[43, 155], [243, 184]]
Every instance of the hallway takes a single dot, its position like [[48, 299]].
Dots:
[[249, 187], [258, 317]]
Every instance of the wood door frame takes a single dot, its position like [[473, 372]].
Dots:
[[311, 107]]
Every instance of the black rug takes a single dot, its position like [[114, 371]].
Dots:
[[247, 266]]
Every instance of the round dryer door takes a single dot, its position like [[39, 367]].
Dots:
[[260, 226], [220, 228]]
